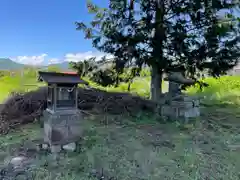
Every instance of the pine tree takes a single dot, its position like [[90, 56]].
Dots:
[[167, 35]]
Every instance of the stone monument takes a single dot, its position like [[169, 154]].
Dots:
[[179, 105], [62, 118]]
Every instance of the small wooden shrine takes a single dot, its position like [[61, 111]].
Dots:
[[62, 119]]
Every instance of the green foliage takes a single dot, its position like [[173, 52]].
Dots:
[[224, 90], [30, 72], [84, 67], [221, 89], [95, 71], [3, 73], [16, 82], [53, 68], [167, 35], [104, 72]]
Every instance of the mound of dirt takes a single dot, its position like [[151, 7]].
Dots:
[[22, 108]]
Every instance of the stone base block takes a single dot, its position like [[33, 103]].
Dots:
[[55, 148], [62, 127], [185, 108]]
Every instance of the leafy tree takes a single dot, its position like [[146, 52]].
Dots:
[[84, 67], [166, 35], [103, 72], [3, 73], [94, 71], [30, 72]]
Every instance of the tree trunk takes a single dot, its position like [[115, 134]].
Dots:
[[158, 65], [156, 84], [117, 81], [129, 85]]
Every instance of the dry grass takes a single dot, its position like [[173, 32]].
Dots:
[[144, 149], [22, 108]]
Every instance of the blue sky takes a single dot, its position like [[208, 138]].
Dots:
[[35, 30], [43, 31]]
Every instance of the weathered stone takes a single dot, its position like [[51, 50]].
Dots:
[[45, 146], [184, 107], [175, 80], [178, 77], [174, 88], [55, 148], [63, 127], [18, 162], [70, 147]]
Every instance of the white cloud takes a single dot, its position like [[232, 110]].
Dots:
[[44, 59], [54, 61], [30, 60], [86, 55]]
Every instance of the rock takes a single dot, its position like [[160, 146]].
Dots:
[[70, 147], [45, 146], [55, 148], [19, 162], [178, 77]]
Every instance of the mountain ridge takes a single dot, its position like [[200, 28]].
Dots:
[[8, 65]]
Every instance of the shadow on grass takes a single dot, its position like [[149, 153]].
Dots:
[[141, 148]]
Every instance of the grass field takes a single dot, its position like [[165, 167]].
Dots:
[[11, 84], [142, 148]]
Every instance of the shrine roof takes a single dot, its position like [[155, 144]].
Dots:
[[59, 78]]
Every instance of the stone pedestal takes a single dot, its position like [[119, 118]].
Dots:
[[182, 107], [61, 128]]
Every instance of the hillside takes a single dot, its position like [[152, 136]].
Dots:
[[8, 64]]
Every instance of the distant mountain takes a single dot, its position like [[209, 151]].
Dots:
[[8, 64]]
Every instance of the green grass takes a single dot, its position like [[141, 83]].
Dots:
[[145, 150], [140, 86], [9, 84], [225, 90], [142, 148]]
